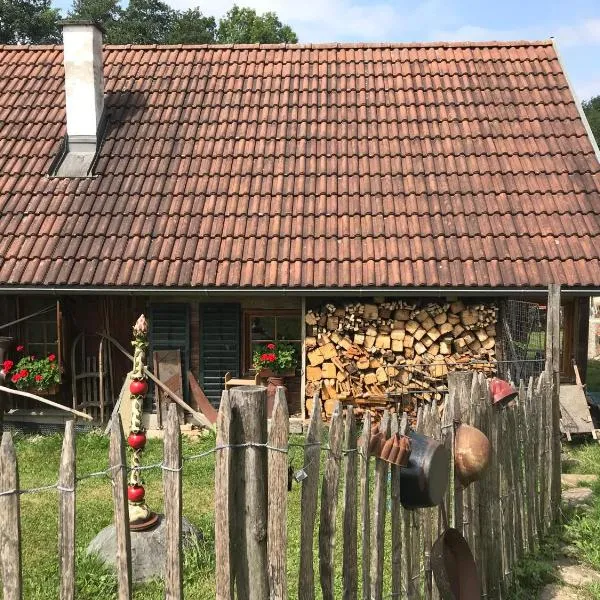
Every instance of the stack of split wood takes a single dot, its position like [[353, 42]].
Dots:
[[370, 353]]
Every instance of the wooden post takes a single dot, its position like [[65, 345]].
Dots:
[[248, 409], [309, 499], [10, 521], [553, 368], [118, 467], [278, 493], [396, 519], [350, 558], [379, 510], [224, 514], [329, 500], [173, 502], [66, 515], [365, 508]]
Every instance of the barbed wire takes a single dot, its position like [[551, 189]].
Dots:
[[160, 465]]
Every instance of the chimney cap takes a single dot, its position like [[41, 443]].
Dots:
[[82, 22]]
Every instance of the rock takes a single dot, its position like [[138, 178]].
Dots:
[[578, 496], [147, 548], [558, 592], [571, 480], [576, 574]]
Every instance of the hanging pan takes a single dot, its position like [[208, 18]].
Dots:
[[454, 568]]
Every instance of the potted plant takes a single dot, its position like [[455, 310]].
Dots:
[[31, 374], [275, 360]]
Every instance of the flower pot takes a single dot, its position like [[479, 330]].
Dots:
[[50, 391], [273, 383]]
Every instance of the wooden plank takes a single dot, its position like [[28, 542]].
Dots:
[[539, 399], [350, 555], [427, 516], [118, 462], [66, 514], [396, 520], [365, 508], [224, 517], [309, 499], [478, 393], [532, 435], [248, 409], [516, 477], [173, 505], [10, 521], [415, 577], [497, 564], [329, 501], [379, 510], [410, 589], [203, 404], [553, 367], [167, 368], [278, 493]]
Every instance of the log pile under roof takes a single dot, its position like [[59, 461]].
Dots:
[[376, 352]]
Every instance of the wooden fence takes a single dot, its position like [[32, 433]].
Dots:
[[358, 541]]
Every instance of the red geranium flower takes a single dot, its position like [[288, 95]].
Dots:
[[271, 346], [51, 357], [7, 365], [20, 348], [23, 372], [263, 357], [15, 378], [38, 378], [270, 357]]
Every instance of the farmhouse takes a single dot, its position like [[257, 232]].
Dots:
[[239, 195]]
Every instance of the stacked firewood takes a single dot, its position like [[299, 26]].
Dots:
[[369, 353]]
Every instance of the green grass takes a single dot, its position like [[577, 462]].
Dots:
[[593, 376]]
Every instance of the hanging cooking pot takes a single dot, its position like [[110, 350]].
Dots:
[[502, 392], [454, 568], [425, 478], [471, 454]]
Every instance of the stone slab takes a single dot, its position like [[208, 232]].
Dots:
[[148, 548], [578, 496], [571, 480]]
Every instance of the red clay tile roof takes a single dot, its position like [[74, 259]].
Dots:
[[303, 167]]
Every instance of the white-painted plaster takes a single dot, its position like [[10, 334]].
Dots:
[[84, 78]]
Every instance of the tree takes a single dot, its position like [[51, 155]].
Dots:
[[105, 12], [192, 27], [143, 22], [245, 26], [29, 22], [591, 108]]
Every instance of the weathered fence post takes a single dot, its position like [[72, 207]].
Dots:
[[329, 500], [396, 522], [309, 500], [66, 515], [172, 499], [119, 488], [278, 482], [350, 558], [224, 515], [365, 509], [553, 368], [10, 521], [248, 410]]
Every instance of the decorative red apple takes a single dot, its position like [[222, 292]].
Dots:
[[135, 493], [137, 440], [138, 387]]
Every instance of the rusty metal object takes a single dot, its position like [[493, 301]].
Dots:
[[397, 450], [425, 479], [471, 454], [454, 568]]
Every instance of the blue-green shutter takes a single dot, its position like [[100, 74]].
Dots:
[[170, 330], [219, 346]]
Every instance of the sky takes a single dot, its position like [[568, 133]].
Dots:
[[575, 24]]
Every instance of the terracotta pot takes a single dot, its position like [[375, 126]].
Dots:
[[272, 384], [471, 454]]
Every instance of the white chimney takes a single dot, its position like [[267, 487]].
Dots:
[[84, 94]]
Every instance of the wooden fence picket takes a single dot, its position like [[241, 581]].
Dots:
[[173, 505], [395, 517], [427, 516], [224, 517], [10, 521], [277, 491], [117, 461], [365, 507], [350, 554], [66, 514], [409, 587], [309, 500], [329, 501]]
